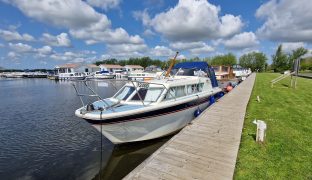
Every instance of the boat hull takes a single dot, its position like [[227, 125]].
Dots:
[[151, 127]]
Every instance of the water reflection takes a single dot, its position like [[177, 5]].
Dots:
[[41, 138], [126, 157]]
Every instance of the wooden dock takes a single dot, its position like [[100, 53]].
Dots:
[[206, 149]]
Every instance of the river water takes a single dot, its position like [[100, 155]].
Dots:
[[41, 138]]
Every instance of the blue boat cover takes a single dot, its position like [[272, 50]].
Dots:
[[199, 66], [102, 72], [191, 65]]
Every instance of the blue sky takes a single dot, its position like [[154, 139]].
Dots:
[[42, 34]]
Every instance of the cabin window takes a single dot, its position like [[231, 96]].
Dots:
[[194, 88], [153, 94], [175, 92], [147, 95], [124, 93], [142, 92]]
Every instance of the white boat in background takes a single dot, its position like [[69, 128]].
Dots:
[[72, 76], [120, 74], [240, 72], [144, 76], [14, 75], [101, 75], [142, 111]]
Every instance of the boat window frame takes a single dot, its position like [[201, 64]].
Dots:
[[120, 90], [143, 99], [174, 96]]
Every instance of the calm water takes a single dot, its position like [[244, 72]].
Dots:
[[41, 138]]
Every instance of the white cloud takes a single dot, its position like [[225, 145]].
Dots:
[[13, 55], [286, 20], [202, 50], [195, 48], [70, 13], [181, 56], [43, 62], [192, 20], [288, 47], [105, 56], [187, 45], [162, 51], [242, 41], [79, 17], [117, 36], [45, 50], [15, 36], [21, 48], [58, 40], [104, 4], [148, 32], [143, 16], [127, 50], [74, 57]]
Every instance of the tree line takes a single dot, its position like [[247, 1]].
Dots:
[[256, 61]]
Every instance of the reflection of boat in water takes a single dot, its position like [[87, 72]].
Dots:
[[147, 110], [125, 158]]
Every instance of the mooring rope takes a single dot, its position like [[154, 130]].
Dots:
[[101, 151]]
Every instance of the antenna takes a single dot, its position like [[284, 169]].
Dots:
[[171, 64]]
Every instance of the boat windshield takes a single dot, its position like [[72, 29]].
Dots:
[[148, 95], [124, 93]]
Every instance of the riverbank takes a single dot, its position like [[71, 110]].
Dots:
[[286, 154]]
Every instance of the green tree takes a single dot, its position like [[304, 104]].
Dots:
[[107, 61], [297, 53], [256, 61], [226, 60], [280, 60], [306, 64]]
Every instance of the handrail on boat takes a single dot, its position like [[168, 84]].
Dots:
[[94, 94], [91, 95]]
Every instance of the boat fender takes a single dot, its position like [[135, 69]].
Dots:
[[90, 107], [212, 100], [197, 112]]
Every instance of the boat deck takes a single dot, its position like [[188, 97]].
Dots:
[[206, 149]]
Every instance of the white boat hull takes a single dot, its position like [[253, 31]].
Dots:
[[150, 127]]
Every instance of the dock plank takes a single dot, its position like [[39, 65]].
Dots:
[[205, 149]]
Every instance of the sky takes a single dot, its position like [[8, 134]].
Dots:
[[46, 33]]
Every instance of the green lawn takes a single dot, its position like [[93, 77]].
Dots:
[[287, 151]]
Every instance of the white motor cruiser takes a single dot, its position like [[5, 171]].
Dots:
[[101, 75], [72, 76], [147, 110]]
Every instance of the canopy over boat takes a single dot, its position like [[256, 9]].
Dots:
[[192, 65], [203, 66]]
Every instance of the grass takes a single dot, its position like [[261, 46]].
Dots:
[[287, 151]]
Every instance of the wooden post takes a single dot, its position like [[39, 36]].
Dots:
[[261, 128]]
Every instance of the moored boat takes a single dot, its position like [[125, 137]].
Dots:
[[141, 111], [143, 76], [101, 75], [71, 76]]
